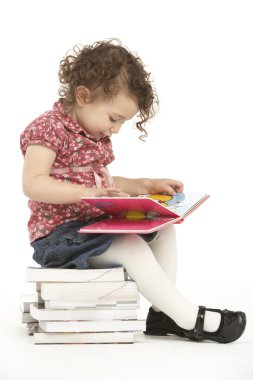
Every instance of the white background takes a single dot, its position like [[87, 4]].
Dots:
[[200, 55]]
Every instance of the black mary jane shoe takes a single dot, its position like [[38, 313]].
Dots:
[[232, 326]]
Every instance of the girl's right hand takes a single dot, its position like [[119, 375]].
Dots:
[[104, 192]]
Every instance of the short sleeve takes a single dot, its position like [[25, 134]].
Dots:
[[43, 132]]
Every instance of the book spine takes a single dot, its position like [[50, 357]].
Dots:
[[130, 303], [92, 326], [74, 275], [89, 291], [88, 314]]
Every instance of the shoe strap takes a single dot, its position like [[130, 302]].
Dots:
[[199, 326]]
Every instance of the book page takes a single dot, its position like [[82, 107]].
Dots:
[[183, 203]]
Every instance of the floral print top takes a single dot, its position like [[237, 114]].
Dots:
[[80, 159]]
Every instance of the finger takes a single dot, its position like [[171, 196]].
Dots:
[[112, 192], [108, 190], [170, 190], [113, 189], [120, 194], [181, 187], [177, 186]]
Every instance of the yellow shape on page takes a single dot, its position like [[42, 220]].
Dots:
[[161, 198], [135, 215]]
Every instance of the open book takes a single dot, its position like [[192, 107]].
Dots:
[[143, 214]]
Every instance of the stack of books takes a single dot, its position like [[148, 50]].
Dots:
[[81, 306]]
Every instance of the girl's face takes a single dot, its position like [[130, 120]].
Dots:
[[102, 117]]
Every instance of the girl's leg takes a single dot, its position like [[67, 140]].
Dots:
[[133, 253], [164, 248]]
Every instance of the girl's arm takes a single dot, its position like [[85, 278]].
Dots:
[[39, 186], [140, 186]]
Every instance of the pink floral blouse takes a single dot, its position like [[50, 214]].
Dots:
[[80, 159]]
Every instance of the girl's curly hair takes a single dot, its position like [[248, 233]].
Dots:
[[107, 66]]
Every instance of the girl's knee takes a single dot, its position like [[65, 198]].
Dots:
[[167, 233], [171, 232], [131, 241], [169, 229], [129, 245], [124, 249]]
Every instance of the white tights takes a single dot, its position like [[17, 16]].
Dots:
[[153, 266]]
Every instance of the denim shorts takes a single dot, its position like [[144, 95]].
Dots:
[[65, 247]]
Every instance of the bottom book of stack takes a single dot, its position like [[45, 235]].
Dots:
[[81, 306]]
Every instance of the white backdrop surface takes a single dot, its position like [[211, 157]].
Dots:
[[200, 55]]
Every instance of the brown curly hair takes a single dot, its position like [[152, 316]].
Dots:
[[106, 66]]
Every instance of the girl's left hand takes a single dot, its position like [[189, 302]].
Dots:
[[168, 186]]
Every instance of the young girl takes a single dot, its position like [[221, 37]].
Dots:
[[66, 154]]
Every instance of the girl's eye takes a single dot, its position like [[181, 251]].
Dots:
[[112, 120]]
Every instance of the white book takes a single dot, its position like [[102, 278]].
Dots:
[[71, 338], [121, 304], [89, 291], [34, 274], [41, 314], [92, 326]]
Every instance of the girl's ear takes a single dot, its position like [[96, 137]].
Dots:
[[83, 95]]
